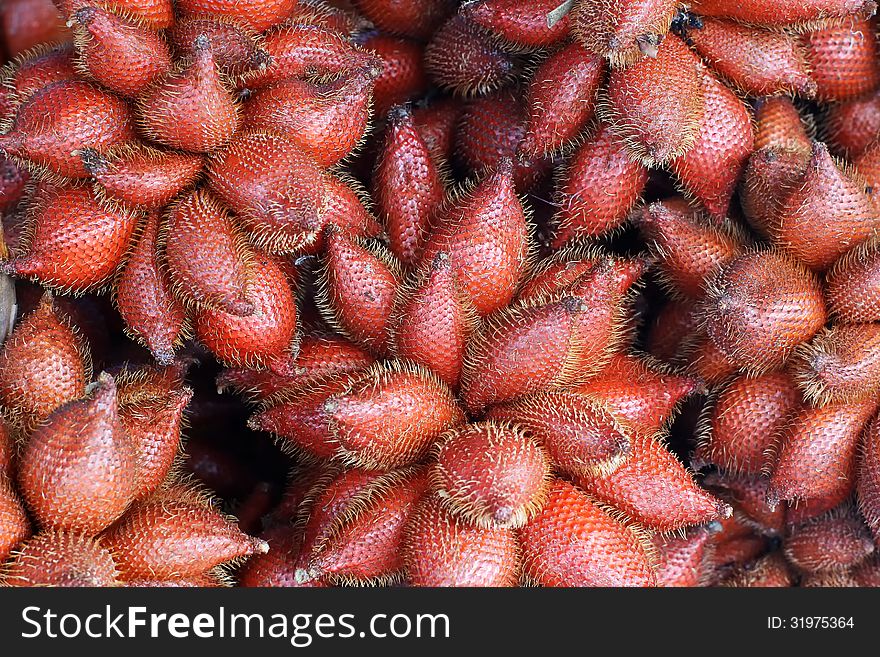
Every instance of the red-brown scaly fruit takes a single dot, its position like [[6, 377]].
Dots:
[[327, 120], [141, 176], [868, 477], [580, 435], [237, 48], [25, 24], [573, 542], [760, 307], [840, 364], [748, 495], [435, 321], [668, 335], [259, 15], [598, 188], [623, 32], [440, 549], [710, 169], [363, 544], [208, 259], [816, 456], [61, 558], [78, 470], [349, 208], [389, 415], [779, 13], [758, 62], [690, 249], [175, 533], [277, 567], [853, 284], [465, 59], [561, 100], [408, 186], [144, 299], [653, 488], [191, 108], [52, 126], [358, 288], [32, 71], [43, 365], [843, 59], [216, 578], [682, 559], [13, 184], [295, 50], [267, 336], [770, 176], [436, 123], [403, 75], [799, 510], [489, 131], [486, 236], [867, 574], [522, 23], [657, 104], [706, 361], [491, 474], [276, 188], [155, 14], [771, 571], [412, 18], [7, 451], [778, 123], [853, 125], [835, 541], [826, 214], [560, 271], [120, 55], [14, 524], [638, 392], [742, 422]]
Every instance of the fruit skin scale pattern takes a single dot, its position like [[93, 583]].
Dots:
[[431, 293]]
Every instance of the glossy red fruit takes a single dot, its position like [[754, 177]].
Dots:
[[710, 169], [826, 214], [485, 234], [409, 187], [843, 59], [690, 248], [491, 474], [208, 259], [53, 125], [175, 533], [624, 32], [76, 242], [771, 571], [435, 321], [657, 104], [237, 48], [561, 100], [143, 296], [667, 336], [706, 361], [522, 23], [29, 23], [277, 567], [349, 208], [412, 18], [155, 14], [358, 288], [835, 541], [761, 307], [682, 559], [840, 364], [490, 130], [816, 456], [561, 270], [868, 477], [256, 14], [748, 496], [653, 488], [778, 13], [599, 187], [14, 524], [573, 542], [191, 108], [390, 415], [770, 176], [436, 123], [778, 123], [440, 549], [463, 58], [851, 126], [142, 176], [61, 558], [742, 423], [403, 75], [119, 54], [264, 338], [33, 70], [7, 451], [13, 183], [853, 284], [580, 435], [43, 364], [640, 393], [78, 470], [327, 120], [276, 188], [758, 62]]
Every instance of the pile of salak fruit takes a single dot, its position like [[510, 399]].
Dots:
[[429, 293]]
